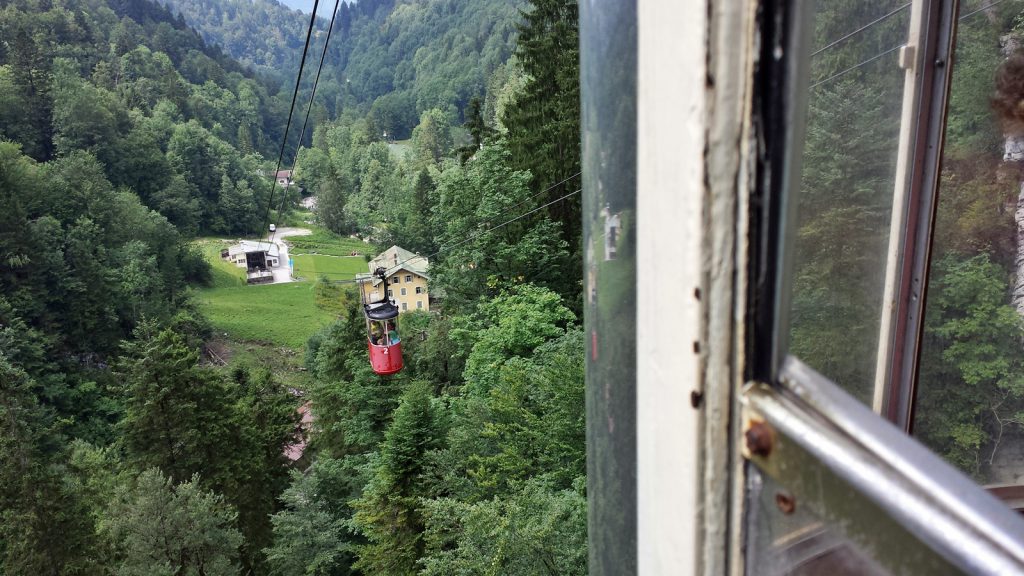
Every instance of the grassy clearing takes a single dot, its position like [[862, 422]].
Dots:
[[311, 267], [280, 314], [398, 148], [286, 364], [265, 325], [298, 218], [224, 273], [325, 242]]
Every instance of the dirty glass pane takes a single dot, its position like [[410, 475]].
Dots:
[[608, 86], [970, 392], [844, 202], [788, 539]]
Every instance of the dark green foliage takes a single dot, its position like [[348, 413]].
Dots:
[[44, 528], [482, 194], [312, 534], [159, 110], [972, 363], [477, 127], [265, 416], [971, 125], [84, 265], [175, 417], [393, 60], [160, 527], [426, 465], [353, 405], [543, 121], [388, 512], [844, 207], [186, 420], [535, 530]]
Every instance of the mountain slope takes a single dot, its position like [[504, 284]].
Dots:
[[397, 58], [163, 113]]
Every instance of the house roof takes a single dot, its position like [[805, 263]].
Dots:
[[249, 246], [284, 173], [393, 260]]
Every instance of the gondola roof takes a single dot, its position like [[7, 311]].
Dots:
[[381, 310]]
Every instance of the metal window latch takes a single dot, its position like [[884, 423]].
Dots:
[[906, 56]]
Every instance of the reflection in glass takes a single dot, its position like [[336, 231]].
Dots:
[[792, 540], [970, 395], [845, 198], [608, 85]]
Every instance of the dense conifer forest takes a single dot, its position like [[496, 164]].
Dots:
[[390, 60]]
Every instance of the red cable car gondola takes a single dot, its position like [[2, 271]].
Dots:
[[382, 335]]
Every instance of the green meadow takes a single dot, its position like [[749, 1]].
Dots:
[[312, 267], [280, 314], [325, 242], [224, 273]]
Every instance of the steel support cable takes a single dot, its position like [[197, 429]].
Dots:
[[507, 210], [871, 24], [309, 108], [982, 9], [288, 125], [469, 239], [852, 68], [524, 201], [514, 206], [505, 223], [895, 48]]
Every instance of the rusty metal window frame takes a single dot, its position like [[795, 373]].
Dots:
[[926, 58], [886, 493]]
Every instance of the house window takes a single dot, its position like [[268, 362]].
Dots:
[[404, 306], [396, 280], [408, 277], [419, 289], [403, 291], [391, 294], [419, 303]]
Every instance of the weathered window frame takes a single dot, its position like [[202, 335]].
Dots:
[[893, 498]]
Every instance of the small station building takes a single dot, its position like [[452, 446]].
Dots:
[[256, 257]]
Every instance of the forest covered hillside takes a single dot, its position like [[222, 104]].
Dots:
[[393, 58], [142, 433], [160, 112]]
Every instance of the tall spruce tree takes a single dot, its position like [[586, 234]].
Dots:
[[544, 121], [388, 513], [177, 413]]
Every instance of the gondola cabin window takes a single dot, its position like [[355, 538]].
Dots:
[[838, 384]]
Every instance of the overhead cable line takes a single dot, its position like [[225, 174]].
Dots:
[[852, 68], [895, 48], [871, 24], [982, 9], [469, 239], [505, 223], [309, 107], [288, 125], [524, 201], [506, 211]]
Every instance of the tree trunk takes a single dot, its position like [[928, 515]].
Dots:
[[1013, 153], [1018, 284]]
